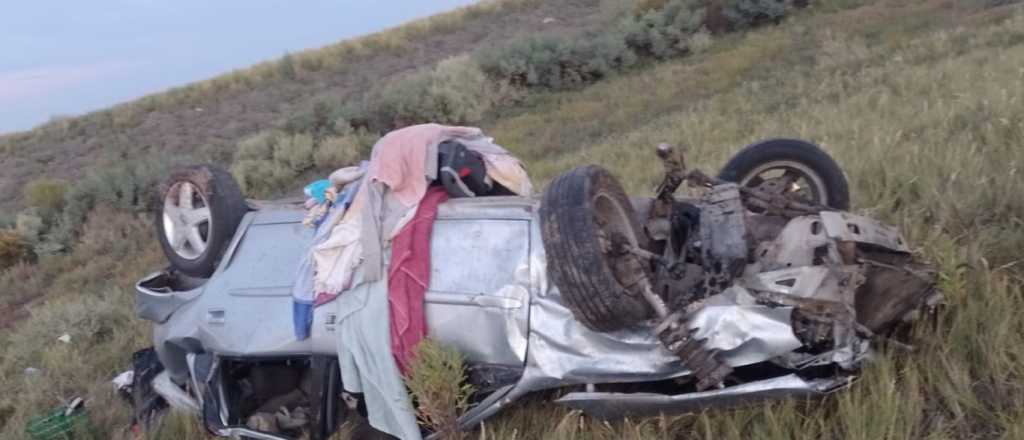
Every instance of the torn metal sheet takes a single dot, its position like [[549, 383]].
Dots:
[[844, 226], [745, 332], [617, 405], [804, 282]]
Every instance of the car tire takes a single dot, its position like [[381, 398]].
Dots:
[[198, 209], [826, 179], [573, 209]]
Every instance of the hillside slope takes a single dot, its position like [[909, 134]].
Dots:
[[921, 102], [205, 118]]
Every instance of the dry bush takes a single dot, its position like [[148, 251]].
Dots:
[[14, 249]]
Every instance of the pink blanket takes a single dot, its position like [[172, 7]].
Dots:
[[409, 276], [400, 157]]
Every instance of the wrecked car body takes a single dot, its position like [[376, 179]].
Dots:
[[647, 305]]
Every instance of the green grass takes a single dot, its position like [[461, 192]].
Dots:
[[921, 102]]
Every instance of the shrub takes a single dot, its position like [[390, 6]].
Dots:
[[665, 32], [14, 249], [338, 151], [436, 380], [456, 91], [127, 187], [747, 13], [286, 67], [556, 62], [29, 224], [259, 146], [45, 194], [295, 152], [272, 160], [318, 121], [261, 177]]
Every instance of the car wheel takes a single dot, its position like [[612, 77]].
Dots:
[[796, 168], [200, 208], [580, 211]]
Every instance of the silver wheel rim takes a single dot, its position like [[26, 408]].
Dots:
[[186, 220], [790, 178]]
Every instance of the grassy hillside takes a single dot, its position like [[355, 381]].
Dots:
[[921, 102], [204, 120]]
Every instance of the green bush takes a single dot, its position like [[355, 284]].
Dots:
[[318, 121], [665, 32], [286, 67], [272, 160], [556, 62], [295, 152], [747, 13], [261, 178], [338, 151], [456, 91], [14, 249], [259, 146], [127, 187], [437, 382], [45, 194]]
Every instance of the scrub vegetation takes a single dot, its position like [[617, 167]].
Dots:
[[920, 101]]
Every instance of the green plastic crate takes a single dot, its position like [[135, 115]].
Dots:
[[57, 425]]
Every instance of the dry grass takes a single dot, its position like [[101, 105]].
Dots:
[[922, 102]]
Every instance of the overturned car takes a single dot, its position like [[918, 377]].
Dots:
[[760, 287]]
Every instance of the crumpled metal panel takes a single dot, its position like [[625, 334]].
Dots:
[[617, 405], [794, 247], [805, 282], [844, 226], [563, 352], [744, 331]]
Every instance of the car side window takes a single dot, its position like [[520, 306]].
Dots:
[[269, 255]]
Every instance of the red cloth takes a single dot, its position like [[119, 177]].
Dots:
[[409, 276]]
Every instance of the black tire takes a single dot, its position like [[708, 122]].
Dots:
[[576, 263], [745, 164], [213, 187]]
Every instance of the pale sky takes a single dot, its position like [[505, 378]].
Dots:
[[68, 57]]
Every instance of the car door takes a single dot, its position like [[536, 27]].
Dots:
[[253, 314], [478, 296]]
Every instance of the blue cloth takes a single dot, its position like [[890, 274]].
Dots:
[[317, 190], [303, 297]]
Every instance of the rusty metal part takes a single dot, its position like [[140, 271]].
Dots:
[[893, 289], [723, 237], [677, 337], [657, 223], [768, 202], [673, 331]]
